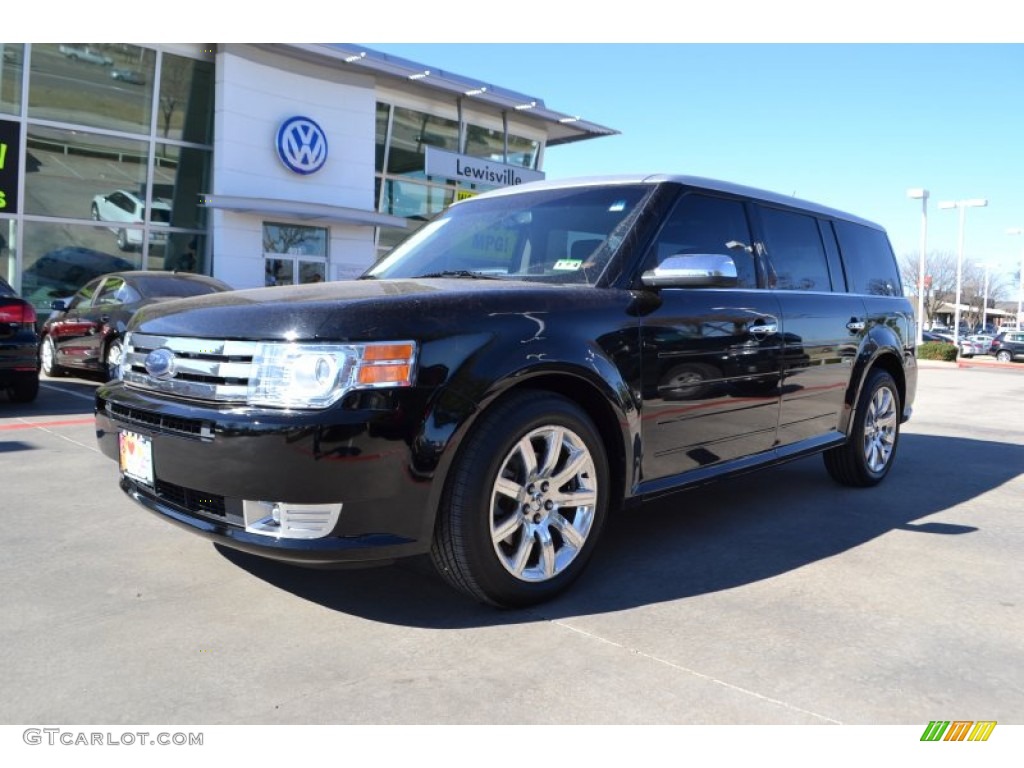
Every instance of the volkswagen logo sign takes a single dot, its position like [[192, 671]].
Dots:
[[160, 364], [301, 145]]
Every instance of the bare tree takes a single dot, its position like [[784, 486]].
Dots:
[[940, 280], [940, 285]]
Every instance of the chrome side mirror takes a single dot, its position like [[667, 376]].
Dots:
[[695, 270]]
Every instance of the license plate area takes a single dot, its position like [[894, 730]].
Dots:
[[136, 453]]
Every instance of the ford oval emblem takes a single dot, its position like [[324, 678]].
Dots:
[[160, 364], [302, 145]]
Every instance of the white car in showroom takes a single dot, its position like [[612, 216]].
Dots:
[[124, 207]]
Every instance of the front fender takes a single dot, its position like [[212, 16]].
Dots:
[[591, 377]]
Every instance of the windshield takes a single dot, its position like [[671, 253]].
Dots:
[[557, 235]]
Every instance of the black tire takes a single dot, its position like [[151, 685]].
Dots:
[[867, 456], [25, 389], [48, 358], [122, 240], [547, 541], [112, 358]]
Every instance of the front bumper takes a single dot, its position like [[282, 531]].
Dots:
[[215, 469]]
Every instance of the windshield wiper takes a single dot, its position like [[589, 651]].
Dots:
[[460, 273]]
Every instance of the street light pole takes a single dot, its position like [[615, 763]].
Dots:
[[962, 205], [922, 195], [1020, 292], [984, 301]]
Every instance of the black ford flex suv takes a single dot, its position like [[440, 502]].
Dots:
[[521, 366]]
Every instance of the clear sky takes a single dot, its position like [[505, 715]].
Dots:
[[845, 104], [852, 126]]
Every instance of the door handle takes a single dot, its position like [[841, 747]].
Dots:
[[855, 325], [764, 329]]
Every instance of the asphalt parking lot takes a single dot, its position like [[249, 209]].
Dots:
[[778, 599]]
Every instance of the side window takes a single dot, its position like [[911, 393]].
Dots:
[[109, 294], [702, 224], [868, 260], [795, 251], [83, 298]]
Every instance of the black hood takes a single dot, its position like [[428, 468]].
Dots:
[[352, 310]]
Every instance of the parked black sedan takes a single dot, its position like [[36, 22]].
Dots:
[[19, 359], [86, 332]]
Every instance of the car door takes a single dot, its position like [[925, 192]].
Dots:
[[70, 329], [101, 317], [710, 357], [822, 326]]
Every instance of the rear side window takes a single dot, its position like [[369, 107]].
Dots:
[[868, 260], [795, 251]]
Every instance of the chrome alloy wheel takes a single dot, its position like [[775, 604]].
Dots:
[[543, 503], [880, 425], [48, 355]]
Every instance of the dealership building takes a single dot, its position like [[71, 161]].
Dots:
[[257, 164]]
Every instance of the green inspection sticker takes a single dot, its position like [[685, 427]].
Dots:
[[568, 265]]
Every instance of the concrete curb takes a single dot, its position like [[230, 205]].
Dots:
[[975, 363]]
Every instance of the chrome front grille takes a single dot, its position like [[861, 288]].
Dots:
[[204, 369]]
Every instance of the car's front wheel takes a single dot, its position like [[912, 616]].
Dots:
[[867, 456], [524, 503], [113, 358], [48, 358]]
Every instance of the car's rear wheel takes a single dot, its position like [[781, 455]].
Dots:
[[122, 240], [524, 503], [1003, 356], [95, 212], [866, 457], [25, 388], [48, 358]]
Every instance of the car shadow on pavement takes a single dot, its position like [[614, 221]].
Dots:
[[57, 397], [695, 542]]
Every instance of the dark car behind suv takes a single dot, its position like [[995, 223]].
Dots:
[[86, 332], [19, 346], [517, 369], [1007, 346]]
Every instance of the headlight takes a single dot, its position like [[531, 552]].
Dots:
[[318, 375]]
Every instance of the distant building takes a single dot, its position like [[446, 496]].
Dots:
[[258, 164]]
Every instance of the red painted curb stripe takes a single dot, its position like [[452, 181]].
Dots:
[[36, 424]]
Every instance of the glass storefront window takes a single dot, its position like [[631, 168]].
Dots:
[[185, 110], [180, 176], [485, 142], [185, 252], [12, 59], [416, 201], [411, 133], [70, 174], [8, 253], [95, 84], [523, 152], [61, 258], [291, 250]]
